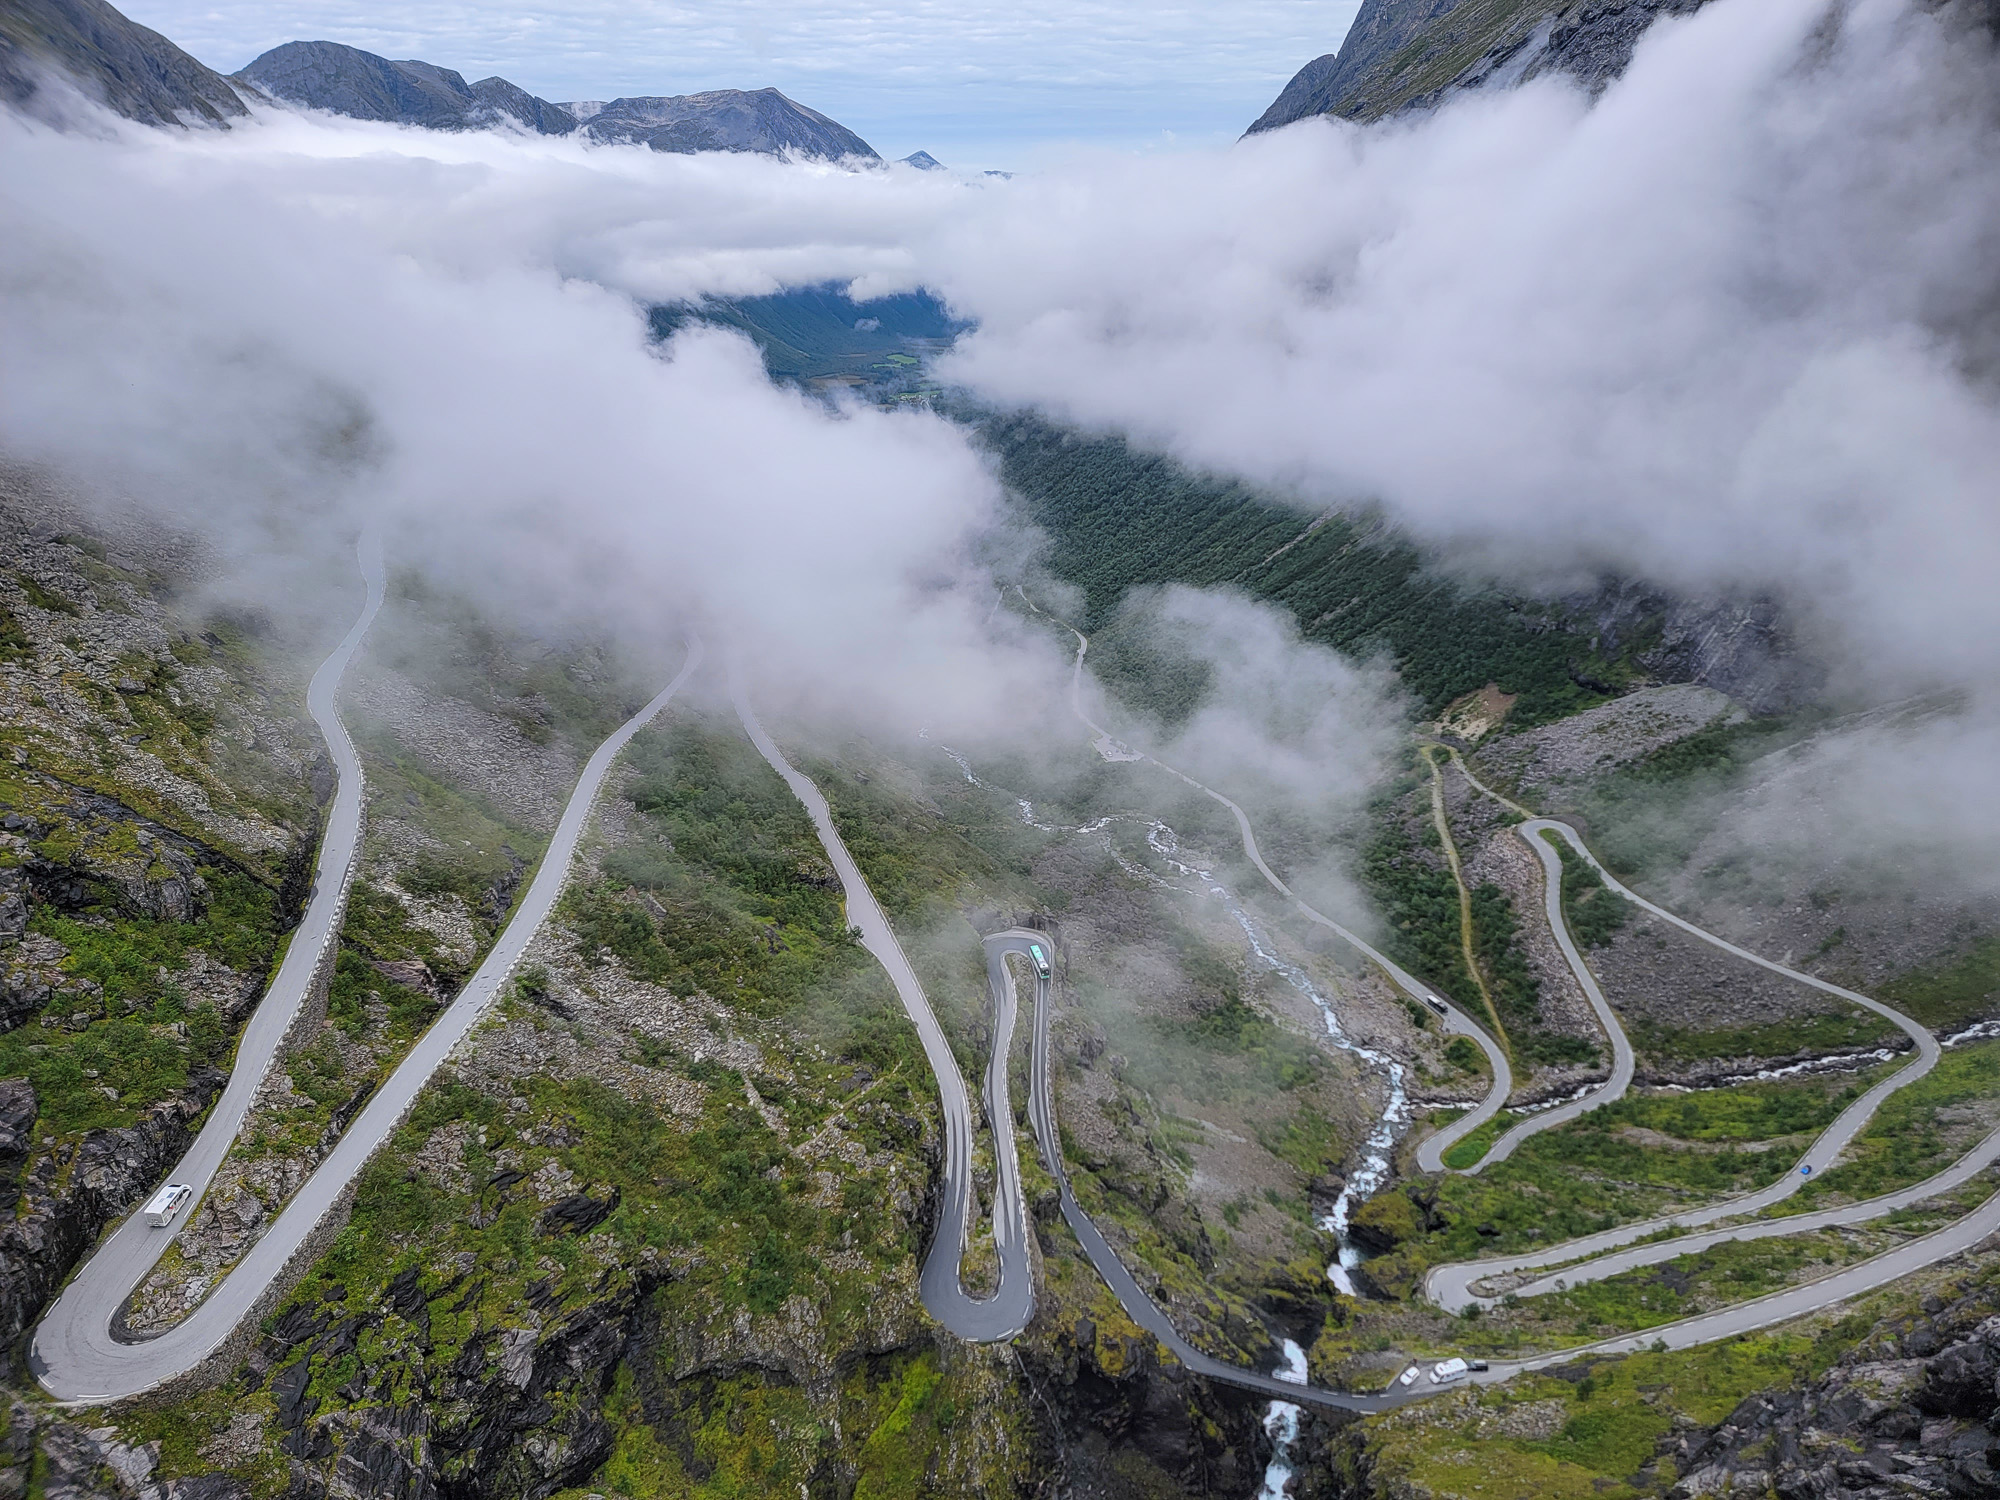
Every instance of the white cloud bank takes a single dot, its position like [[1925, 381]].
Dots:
[[1732, 324], [287, 329]]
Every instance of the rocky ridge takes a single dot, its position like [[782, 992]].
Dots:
[[1409, 54], [348, 81], [111, 60]]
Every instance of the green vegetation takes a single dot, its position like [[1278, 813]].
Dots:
[[748, 1436], [1590, 1429], [1122, 520], [1419, 900], [1918, 1130], [1579, 1178], [1745, 1112], [1612, 1414], [96, 1066], [709, 1188], [732, 897], [364, 1006], [1592, 911], [483, 855], [1963, 990], [1828, 1031], [807, 333], [1468, 1151], [1496, 932]]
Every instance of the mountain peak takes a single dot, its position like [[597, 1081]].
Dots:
[[923, 161], [759, 120]]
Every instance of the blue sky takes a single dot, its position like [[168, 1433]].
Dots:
[[977, 83]]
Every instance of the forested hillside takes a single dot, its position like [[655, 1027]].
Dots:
[[1120, 519]]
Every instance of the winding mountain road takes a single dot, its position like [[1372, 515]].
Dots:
[[75, 1354], [1594, 1256], [977, 1319]]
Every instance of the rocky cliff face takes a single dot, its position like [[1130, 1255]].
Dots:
[[1744, 647], [136, 72], [1407, 54], [762, 120]]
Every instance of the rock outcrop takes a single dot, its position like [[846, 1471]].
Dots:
[[1915, 1411], [136, 72]]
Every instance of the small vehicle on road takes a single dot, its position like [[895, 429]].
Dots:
[[167, 1202], [1446, 1371], [1409, 1376], [1435, 1004], [1041, 959], [1480, 1364]]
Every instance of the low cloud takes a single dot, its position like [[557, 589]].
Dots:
[[1732, 324], [284, 332]]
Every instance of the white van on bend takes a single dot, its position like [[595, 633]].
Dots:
[[168, 1201], [1448, 1371]]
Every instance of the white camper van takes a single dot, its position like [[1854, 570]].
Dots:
[[1448, 1371], [168, 1201]]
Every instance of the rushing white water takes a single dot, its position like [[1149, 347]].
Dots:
[[1167, 847], [1281, 1421]]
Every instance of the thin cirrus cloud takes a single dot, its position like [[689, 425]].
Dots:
[[985, 82]]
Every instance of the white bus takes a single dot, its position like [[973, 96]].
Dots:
[[168, 1201], [1041, 959]]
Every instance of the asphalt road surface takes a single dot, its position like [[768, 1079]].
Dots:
[[1622, 1061], [977, 1319], [74, 1354]]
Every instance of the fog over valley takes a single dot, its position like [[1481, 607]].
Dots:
[[684, 811]]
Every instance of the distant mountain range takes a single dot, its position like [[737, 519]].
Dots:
[[145, 77]]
